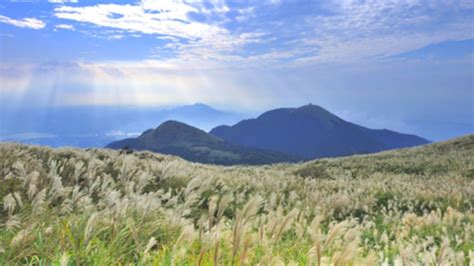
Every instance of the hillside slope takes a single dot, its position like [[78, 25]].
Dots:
[[312, 132], [437, 159], [107, 207]]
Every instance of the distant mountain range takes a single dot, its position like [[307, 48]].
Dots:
[[96, 126], [280, 135], [193, 144], [311, 132]]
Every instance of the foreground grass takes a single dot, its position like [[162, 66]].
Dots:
[[102, 207]]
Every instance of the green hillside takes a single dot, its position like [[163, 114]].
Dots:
[[100, 207]]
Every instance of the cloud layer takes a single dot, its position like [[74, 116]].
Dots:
[[330, 31], [31, 23]]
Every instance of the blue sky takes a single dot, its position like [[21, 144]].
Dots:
[[404, 65]]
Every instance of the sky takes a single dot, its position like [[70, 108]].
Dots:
[[405, 65]]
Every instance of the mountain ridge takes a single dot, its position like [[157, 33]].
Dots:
[[190, 143], [311, 132]]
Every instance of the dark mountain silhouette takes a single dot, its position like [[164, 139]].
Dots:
[[311, 132], [193, 144]]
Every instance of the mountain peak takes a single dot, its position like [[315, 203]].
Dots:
[[198, 106], [173, 131], [177, 138], [302, 115], [169, 124], [311, 107], [201, 105], [313, 110], [311, 131], [168, 127]]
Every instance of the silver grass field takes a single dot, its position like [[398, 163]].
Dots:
[[104, 207]]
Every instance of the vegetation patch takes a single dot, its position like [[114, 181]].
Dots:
[[105, 207]]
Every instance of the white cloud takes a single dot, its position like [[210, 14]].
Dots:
[[31, 23], [169, 20], [352, 30], [116, 37], [245, 14], [62, 1], [360, 30], [150, 17], [274, 2], [65, 27]]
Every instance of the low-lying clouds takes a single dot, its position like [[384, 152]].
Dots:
[[119, 83]]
